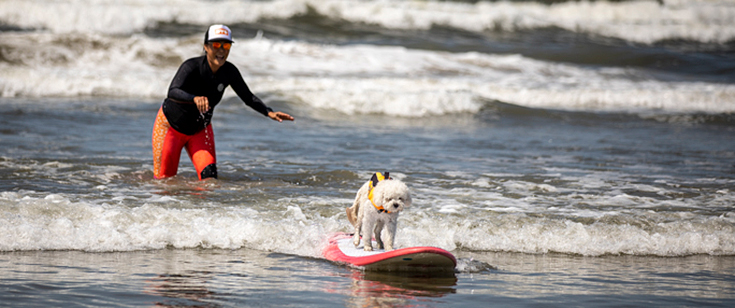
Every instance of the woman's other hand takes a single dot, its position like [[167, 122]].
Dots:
[[280, 116]]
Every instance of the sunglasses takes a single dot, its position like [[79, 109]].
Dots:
[[217, 45]]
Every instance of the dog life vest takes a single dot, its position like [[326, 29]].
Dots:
[[377, 177]]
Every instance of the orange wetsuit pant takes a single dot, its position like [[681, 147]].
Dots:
[[167, 145]]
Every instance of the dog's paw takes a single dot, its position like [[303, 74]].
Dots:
[[368, 248]]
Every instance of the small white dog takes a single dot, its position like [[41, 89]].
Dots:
[[376, 207]]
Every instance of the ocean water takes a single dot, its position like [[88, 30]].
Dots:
[[569, 153]]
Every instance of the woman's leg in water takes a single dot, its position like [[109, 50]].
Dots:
[[201, 151], [167, 145]]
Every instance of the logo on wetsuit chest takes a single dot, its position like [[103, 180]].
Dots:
[[220, 87]]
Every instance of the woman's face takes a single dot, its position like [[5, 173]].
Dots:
[[217, 52]]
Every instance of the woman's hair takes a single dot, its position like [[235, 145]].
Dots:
[[206, 38]]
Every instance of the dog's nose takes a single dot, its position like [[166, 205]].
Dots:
[[395, 205]]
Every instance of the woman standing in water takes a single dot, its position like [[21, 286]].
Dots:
[[184, 120]]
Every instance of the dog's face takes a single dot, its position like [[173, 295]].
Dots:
[[393, 195]]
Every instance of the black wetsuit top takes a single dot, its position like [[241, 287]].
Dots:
[[195, 78]]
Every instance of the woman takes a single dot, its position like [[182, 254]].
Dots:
[[184, 120]]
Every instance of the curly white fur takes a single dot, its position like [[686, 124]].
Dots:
[[394, 196]]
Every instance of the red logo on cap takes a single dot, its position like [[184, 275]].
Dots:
[[222, 31]]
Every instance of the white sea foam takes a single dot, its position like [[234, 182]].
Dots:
[[76, 56], [349, 79], [55, 222], [517, 232], [638, 21], [83, 65], [591, 224]]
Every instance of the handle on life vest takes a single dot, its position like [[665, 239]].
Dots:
[[377, 177]]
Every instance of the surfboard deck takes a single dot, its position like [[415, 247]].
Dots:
[[411, 259]]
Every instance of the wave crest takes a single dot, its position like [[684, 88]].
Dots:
[[636, 21]]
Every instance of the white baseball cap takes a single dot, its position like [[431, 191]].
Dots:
[[218, 32]]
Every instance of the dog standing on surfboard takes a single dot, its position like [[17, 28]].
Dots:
[[376, 209]]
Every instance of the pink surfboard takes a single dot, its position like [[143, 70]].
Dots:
[[421, 258]]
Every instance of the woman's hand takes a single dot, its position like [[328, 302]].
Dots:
[[202, 103], [279, 116]]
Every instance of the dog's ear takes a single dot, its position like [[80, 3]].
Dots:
[[378, 195]]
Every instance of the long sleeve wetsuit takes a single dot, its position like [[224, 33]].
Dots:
[[195, 78], [179, 124]]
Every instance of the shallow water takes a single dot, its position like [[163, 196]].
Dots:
[[568, 152], [244, 277], [537, 205]]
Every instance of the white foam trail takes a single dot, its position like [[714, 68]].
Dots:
[[638, 21]]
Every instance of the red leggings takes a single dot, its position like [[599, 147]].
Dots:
[[167, 145]]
